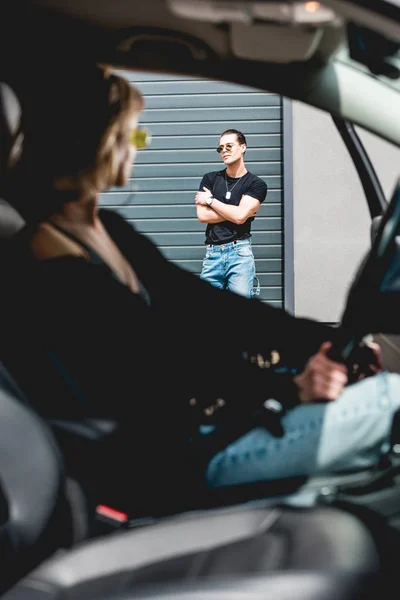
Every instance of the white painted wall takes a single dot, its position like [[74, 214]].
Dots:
[[331, 218]]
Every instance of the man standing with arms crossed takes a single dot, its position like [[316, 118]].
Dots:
[[228, 201]]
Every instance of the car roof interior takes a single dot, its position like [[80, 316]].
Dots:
[[234, 41]]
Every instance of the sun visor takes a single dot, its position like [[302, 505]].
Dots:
[[277, 32], [264, 42]]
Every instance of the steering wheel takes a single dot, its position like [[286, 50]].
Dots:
[[373, 302]]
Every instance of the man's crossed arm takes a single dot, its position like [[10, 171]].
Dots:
[[219, 211]]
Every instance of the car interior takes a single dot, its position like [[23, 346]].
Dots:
[[66, 530]]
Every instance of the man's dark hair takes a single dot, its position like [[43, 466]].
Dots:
[[240, 136]]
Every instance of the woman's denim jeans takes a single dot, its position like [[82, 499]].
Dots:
[[231, 266], [350, 433]]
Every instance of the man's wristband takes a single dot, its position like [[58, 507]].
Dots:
[[209, 200]]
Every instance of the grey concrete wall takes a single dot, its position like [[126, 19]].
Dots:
[[331, 219]]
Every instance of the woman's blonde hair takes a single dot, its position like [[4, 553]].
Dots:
[[74, 125], [122, 102]]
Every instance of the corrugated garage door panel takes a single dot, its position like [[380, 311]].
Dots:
[[186, 116]]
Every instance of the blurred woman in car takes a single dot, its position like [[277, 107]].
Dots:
[[107, 327]]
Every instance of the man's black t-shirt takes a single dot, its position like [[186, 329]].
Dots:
[[219, 184]]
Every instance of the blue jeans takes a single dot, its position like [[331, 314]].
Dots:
[[231, 266], [350, 433]]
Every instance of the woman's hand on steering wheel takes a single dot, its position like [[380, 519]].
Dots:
[[322, 378]]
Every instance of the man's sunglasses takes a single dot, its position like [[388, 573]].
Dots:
[[140, 138], [227, 146]]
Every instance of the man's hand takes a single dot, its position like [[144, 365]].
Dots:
[[322, 378], [200, 197]]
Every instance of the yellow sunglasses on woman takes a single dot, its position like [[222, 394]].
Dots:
[[140, 138]]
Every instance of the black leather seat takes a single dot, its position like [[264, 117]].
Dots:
[[277, 586], [238, 545], [34, 513], [305, 586]]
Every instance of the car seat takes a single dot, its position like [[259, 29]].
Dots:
[[34, 514]]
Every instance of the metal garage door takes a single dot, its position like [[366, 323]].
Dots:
[[186, 116]]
